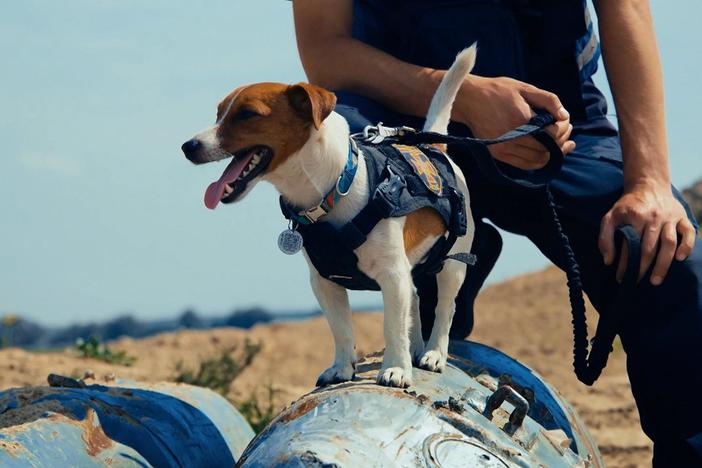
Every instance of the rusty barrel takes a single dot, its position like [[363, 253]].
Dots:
[[130, 424], [484, 410]]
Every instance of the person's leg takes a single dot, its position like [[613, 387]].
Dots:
[[359, 112], [662, 334]]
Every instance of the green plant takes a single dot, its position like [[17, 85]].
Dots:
[[259, 413], [218, 373], [92, 348], [8, 323]]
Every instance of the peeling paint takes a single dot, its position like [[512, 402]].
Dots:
[[94, 437]]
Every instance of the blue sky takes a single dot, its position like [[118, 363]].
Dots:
[[102, 215]]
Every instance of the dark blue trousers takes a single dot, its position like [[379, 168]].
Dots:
[[662, 334]]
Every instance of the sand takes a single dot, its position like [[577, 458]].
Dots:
[[527, 317]]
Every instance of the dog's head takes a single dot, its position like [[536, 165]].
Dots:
[[258, 126]]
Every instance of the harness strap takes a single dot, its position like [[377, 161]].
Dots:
[[379, 207]]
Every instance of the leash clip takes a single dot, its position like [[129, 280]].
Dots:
[[376, 134]]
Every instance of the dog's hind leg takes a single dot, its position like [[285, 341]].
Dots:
[[449, 281], [334, 301], [415, 332]]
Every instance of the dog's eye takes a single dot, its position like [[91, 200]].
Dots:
[[245, 114]]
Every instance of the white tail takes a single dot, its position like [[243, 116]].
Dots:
[[439, 113]]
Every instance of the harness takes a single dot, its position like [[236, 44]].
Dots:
[[401, 179], [392, 182]]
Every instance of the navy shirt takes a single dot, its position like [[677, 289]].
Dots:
[[548, 43]]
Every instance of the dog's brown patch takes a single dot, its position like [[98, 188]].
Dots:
[[441, 147], [420, 225], [276, 115]]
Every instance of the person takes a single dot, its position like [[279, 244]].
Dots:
[[385, 58]]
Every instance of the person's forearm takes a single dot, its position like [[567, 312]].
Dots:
[[347, 64], [333, 59], [635, 76]]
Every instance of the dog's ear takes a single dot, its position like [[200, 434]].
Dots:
[[311, 102]]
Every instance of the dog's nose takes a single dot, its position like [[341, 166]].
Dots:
[[190, 148]]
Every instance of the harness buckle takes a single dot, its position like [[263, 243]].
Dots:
[[387, 195]]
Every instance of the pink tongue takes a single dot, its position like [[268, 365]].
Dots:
[[214, 192]]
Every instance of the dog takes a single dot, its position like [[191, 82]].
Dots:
[[290, 136]]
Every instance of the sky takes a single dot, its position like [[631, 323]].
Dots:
[[100, 212]]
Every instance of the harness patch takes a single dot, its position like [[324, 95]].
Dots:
[[422, 166]]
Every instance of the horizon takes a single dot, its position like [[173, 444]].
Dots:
[[102, 214]]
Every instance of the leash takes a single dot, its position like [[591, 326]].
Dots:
[[587, 365], [611, 320]]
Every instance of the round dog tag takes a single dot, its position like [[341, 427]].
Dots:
[[290, 242]]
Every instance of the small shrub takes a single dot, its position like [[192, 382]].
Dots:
[[7, 325], [219, 372], [258, 413], [92, 348]]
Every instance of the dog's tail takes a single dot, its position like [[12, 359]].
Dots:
[[439, 113]]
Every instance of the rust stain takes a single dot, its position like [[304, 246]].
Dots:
[[300, 409], [94, 437], [14, 449]]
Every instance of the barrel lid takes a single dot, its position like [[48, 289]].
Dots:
[[447, 451]]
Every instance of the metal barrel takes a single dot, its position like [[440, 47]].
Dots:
[[484, 410], [131, 424]]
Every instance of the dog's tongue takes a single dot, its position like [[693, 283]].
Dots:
[[214, 192]]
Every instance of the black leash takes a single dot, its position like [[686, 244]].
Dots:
[[587, 366], [611, 319]]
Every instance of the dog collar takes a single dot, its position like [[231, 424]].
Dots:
[[339, 191]]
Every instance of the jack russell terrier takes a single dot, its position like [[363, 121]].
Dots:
[[290, 136]]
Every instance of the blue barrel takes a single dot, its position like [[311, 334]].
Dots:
[[135, 425], [484, 410]]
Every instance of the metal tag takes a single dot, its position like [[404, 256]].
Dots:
[[290, 242]]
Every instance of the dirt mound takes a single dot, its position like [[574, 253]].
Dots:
[[527, 317]]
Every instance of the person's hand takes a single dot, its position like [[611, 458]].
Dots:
[[658, 218], [491, 107]]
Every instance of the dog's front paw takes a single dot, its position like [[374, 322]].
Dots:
[[433, 361], [395, 377], [335, 375]]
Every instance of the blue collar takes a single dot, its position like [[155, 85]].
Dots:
[[339, 191]]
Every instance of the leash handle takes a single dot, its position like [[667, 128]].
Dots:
[[534, 127], [627, 234]]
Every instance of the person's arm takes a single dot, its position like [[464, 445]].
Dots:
[[332, 58], [635, 76]]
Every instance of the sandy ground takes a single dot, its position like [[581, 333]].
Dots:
[[527, 317]]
